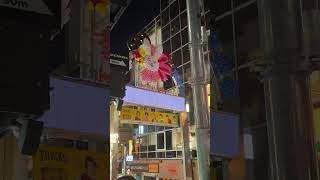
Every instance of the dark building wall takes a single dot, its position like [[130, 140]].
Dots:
[[236, 24]]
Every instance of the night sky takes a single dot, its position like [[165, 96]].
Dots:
[[134, 19]]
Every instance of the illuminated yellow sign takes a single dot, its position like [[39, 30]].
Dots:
[[64, 164], [130, 147], [136, 116]]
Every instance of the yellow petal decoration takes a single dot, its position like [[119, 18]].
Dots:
[[142, 52]]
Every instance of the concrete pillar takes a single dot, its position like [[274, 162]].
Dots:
[[287, 92]]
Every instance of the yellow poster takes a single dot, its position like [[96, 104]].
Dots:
[[153, 118], [136, 116], [160, 118], [69, 164], [127, 114]]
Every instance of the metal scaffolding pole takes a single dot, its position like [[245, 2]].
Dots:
[[114, 134], [287, 92], [187, 164], [199, 88]]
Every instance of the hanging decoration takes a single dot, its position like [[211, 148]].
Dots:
[[153, 61]]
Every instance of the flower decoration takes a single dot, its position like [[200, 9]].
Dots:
[[140, 61], [154, 62]]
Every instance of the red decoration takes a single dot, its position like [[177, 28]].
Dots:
[[164, 69]]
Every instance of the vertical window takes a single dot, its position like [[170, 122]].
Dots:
[[177, 58], [186, 54], [160, 141], [175, 26], [167, 46], [176, 42], [174, 10], [165, 17], [184, 20], [185, 36], [169, 140], [165, 33], [183, 5]]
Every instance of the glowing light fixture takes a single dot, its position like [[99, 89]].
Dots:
[[187, 107], [114, 138]]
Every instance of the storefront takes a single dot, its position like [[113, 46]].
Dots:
[[149, 131]]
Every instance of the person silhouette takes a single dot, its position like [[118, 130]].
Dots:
[[161, 119], [137, 118], [90, 167], [146, 117], [168, 119]]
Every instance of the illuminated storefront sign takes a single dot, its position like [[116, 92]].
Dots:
[[149, 168], [136, 116], [138, 167], [63, 163], [130, 147], [154, 99], [129, 158]]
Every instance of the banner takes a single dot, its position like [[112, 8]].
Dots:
[[137, 116], [138, 166], [69, 164]]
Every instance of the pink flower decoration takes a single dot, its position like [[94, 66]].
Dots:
[[149, 75], [156, 67], [164, 69]]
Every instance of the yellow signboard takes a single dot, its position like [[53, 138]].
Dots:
[[153, 168], [68, 164], [137, 116]]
